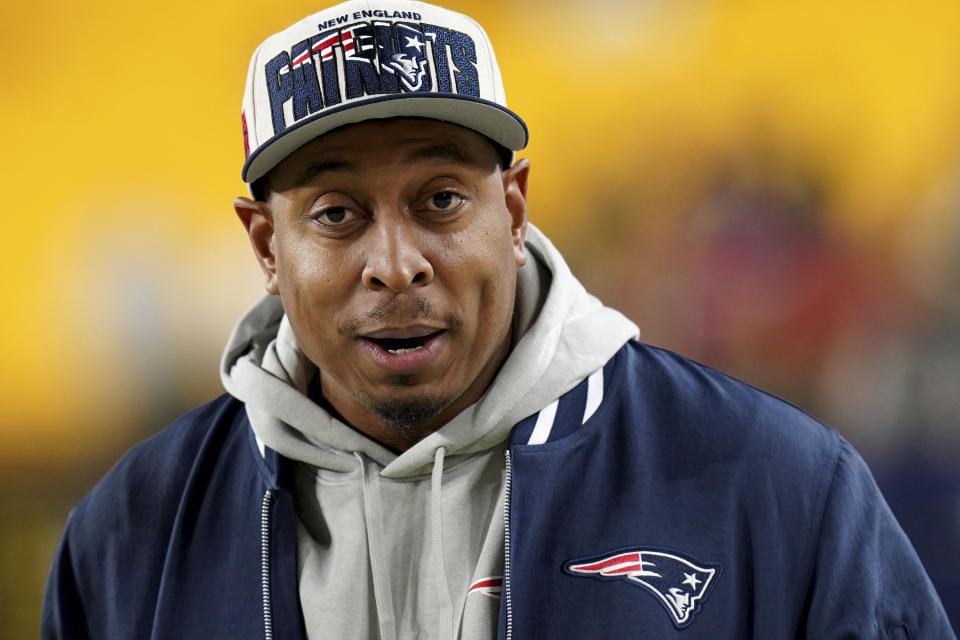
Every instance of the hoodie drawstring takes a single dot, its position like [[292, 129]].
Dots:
[[373, 518], [436, 522]]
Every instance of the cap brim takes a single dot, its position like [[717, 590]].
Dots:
[[488, 118]]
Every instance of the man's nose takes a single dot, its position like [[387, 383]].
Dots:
[[395, 259]]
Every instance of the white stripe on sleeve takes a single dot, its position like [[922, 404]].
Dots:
[[594, 394], [541, 430]]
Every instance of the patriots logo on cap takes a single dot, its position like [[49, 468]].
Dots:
[[410, 62], [679, 584]]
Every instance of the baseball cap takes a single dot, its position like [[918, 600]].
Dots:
[[363, 60]]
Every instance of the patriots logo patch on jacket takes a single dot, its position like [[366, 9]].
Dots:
[[679, 585]]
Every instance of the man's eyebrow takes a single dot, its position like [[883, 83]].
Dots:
[[445, 151], [316, 169]]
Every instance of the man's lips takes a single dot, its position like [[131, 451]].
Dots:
[[401, 333], [404, 349]]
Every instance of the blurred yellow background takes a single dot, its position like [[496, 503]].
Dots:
[[769, 187]]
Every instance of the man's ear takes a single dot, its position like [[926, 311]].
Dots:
[[257, 219], [515, 194]]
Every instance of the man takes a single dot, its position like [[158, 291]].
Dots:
[[433, 431]]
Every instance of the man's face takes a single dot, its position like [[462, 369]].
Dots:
[[394, 246]]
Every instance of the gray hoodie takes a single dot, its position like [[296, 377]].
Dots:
[[389, 545]]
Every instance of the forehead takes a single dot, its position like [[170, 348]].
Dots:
[[375, 143]]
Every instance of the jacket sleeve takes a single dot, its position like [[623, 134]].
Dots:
[[868, 581], [63, 616]]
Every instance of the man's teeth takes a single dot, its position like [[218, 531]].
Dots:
[[400, 352]]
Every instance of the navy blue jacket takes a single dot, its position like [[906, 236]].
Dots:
[[688, 505]]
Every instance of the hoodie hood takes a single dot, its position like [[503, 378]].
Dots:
[[561, 335]]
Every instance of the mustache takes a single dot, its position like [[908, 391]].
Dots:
[[396, 309]]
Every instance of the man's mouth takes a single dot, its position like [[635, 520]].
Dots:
[[406, 349], [400, 346]]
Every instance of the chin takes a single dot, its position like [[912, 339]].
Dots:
[[405, 411]]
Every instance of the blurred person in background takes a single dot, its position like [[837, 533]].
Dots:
[[432, 430]]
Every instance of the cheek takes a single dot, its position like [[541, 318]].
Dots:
[[306, 262], [313, 287], [485, 243], [482, 272], [305, 267]]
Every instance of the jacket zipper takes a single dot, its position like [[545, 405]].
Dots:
[[265, 564], [506, 546]]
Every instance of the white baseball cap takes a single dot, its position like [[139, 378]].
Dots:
[[362, 60]]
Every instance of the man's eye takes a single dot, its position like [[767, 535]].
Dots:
[[444, 201], [333, 216]]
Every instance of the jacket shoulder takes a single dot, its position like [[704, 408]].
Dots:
[[718, 417], [156, 470], [107, 571], [139, 496]]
